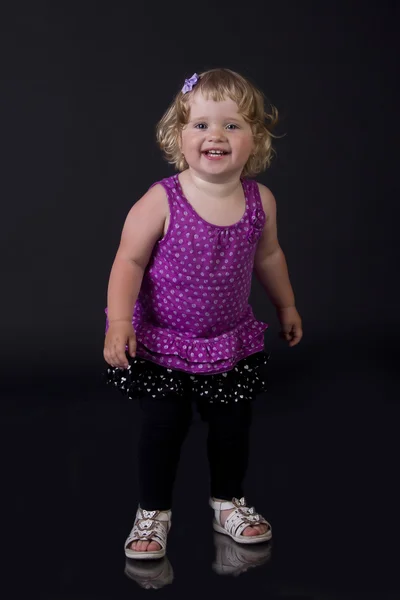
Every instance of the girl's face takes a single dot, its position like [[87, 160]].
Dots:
[[216, 141]]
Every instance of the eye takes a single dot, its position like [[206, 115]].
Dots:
[[232, 126], [200, 126]]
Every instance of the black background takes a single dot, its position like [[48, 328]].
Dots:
[[82, 87]]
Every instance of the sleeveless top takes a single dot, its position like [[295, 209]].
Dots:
[[192, 312]]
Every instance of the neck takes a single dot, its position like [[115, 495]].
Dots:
[[218, 187]]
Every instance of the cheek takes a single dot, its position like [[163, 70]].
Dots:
[[187, 140], [245, 144], [191, 143]]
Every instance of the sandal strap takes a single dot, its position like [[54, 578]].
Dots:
[[241, 517], [159, 515], [221, 505], [227, 504], [254, 518], [149, 526], [157, 533], [236, 523]]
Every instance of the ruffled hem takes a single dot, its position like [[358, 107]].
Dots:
[[144, 378], [207, 355], [200, 355]]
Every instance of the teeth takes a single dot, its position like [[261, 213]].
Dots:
[[214, 152]]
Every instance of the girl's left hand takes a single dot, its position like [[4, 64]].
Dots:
[[291, 324]]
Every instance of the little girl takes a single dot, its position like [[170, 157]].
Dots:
[[179, 326]]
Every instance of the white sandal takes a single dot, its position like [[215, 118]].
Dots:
[[149, 526], [241, 517]]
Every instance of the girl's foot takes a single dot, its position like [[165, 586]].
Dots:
[[145, 546], [148, 538], [250, 530], [239, 521]]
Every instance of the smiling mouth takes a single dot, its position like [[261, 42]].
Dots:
[[215, 153]]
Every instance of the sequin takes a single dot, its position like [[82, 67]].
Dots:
[[241, 384]]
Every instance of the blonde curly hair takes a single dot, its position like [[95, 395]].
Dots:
[[220, 84]]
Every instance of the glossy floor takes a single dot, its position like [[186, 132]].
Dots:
[[323, 471]]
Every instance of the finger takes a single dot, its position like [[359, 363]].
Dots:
[[118, 357], [113, 360], [286, 335], [106, 355], [121, 356], [132, 346], [296, 338]]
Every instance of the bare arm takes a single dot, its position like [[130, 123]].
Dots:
[[270, 264], [142, 229], [271, 270]]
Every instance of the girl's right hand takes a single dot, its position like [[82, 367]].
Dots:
[[119, 335]]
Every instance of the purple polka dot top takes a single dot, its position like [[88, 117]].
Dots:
[[192, 313]]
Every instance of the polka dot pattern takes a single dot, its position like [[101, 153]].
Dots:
[[144, 379], [192, 312]]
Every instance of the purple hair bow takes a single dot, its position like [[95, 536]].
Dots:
[[189, 83]]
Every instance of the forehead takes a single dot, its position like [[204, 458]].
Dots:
[[201, 105]]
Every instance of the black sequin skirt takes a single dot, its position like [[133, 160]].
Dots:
[[144, 378]]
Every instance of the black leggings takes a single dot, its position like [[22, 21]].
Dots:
[[165, 425]]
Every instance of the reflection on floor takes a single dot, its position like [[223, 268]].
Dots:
[[230, 559], [323, 471]]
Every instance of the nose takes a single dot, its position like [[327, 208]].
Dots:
[[216, 133]]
